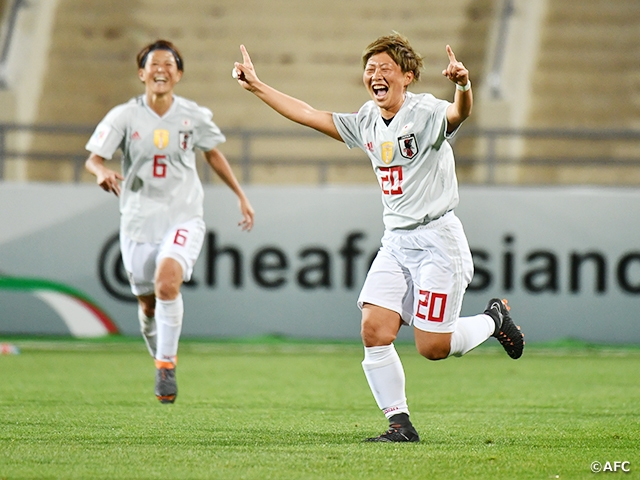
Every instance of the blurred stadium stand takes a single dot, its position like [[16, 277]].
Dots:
[[555, 82]]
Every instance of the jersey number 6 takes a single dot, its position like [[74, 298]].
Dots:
[[159, 168]]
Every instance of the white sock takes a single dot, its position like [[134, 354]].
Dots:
[[148, 330], [470, 332], [384, 372], [169, 315]]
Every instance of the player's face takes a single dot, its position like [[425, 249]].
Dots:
[[160, 73], [385, 82]]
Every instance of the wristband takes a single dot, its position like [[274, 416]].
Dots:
[[464, 88]]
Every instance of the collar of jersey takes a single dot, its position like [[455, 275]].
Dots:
[[174, 100]]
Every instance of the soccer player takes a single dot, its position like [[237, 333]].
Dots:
[[424, 265], [161, 198]]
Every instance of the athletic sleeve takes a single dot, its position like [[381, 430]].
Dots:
[[446, 125], [347, 126], [108, 135], [207, 134], [436, 127]]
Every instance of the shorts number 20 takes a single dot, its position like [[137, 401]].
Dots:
[[431, 306]]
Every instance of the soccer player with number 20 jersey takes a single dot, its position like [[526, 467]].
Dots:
[[161, 197], [424, 264]]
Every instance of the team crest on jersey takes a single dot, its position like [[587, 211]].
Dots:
[[161, 138], [186, 140], [408, 146]]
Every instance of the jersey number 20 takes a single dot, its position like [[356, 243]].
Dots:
[[391, 180]]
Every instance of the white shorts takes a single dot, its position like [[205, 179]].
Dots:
[[182, 243], [422, 274]]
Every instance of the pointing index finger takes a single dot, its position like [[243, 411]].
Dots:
[[452, 57], [246, 59]]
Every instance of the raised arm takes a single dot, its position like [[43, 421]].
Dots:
[[462, 104], [289, 107]]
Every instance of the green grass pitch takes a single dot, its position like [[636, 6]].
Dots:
[[278, 409]]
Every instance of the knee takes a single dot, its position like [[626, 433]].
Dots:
[[168, 279], [434, 352], [379, 326], [166, 289], [373, 334], [433, 346]]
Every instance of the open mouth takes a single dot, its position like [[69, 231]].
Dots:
[[380, 91], [160, 79]]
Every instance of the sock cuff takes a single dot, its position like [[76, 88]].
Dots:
[[170, 312], [378, 357], [171, 307]]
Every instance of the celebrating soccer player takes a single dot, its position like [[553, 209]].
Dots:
[[424, 265], [161, 197]]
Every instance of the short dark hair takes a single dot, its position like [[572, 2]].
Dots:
[[141, 58], [399, 49]]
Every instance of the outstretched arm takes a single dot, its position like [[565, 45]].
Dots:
[[289, 107], [106, 178], [221, 166], [460, 109]]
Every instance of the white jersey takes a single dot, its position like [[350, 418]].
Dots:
[[411, 158], [161, 186]]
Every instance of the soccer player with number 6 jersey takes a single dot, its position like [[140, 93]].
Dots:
[[161, 197], [424, 265]]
